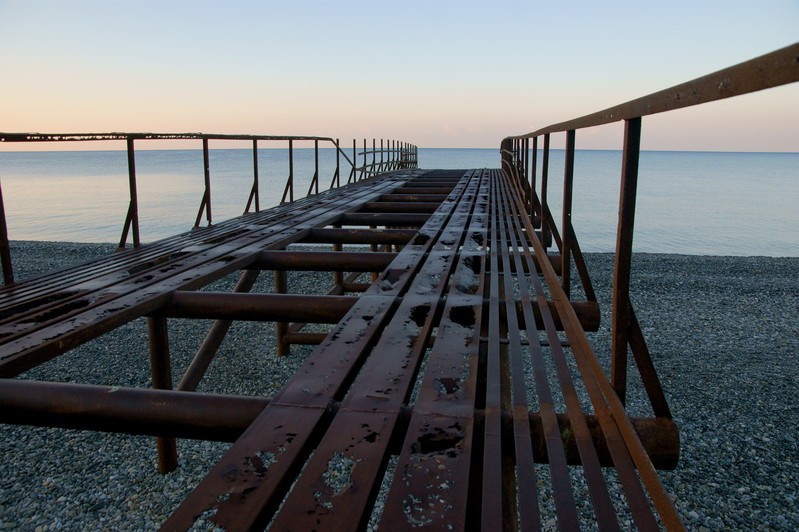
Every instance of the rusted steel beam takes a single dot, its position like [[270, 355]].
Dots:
[[213, 340], [164, 413], [304, 338], [404, 197], [378, 219], [355, 287], [258, 307], [400, 207], [425, 192], [325, 261], [214, 417], [359, 236]]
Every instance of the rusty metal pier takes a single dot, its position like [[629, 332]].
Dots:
[[455, 382]]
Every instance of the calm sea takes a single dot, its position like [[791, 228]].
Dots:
[[700, 203]]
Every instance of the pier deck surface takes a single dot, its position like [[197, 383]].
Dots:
[[455, 390]]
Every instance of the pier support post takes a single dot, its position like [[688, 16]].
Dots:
[[162, 380], [281, 327]]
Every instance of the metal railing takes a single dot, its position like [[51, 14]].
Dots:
[[395, 155], [777, 68]]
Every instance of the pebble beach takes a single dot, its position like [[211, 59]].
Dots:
[[723, 333]]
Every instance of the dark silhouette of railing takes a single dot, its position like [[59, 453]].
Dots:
[[394, 155], [520, 160]]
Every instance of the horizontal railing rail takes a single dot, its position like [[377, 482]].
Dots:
[[393, 155], [780, 67], [777, 68]]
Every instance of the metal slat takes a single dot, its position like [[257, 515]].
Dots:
[[588, 455], [622, 441], [431, 485], [323, 378], [359, 435], [108, 308]]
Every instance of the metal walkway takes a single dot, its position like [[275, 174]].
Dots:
[[441, 375], [455, 390]]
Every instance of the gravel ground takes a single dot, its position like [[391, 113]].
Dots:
[[723, 332]]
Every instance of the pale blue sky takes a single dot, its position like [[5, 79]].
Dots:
[[437, 73]]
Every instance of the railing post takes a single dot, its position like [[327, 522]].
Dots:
[[5, 250], [207, 176], [291, 170], [338, 164], [621, 320], [363, 168], [545, 229], [533, 170], [255, 192], [354, 170], [381, 167], [568, 187], [374, 157], [315, 180], [281, 327], [205, 204], [134, 200]]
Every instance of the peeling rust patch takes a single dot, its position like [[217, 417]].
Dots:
[[463, 316]]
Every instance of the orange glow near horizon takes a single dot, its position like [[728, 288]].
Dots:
[[433, 74]]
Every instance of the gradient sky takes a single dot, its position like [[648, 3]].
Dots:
[[436, 73]]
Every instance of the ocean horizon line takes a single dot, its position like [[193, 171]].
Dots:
[[140, 148]]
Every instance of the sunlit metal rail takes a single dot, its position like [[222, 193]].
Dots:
[[520, 158], [455, 387]]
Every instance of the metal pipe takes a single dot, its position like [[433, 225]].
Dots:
[[323, 261], [397, 219], [163, 413], [359, 236], [225, 417], [769, 70], [400, 207], [258, 307]]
